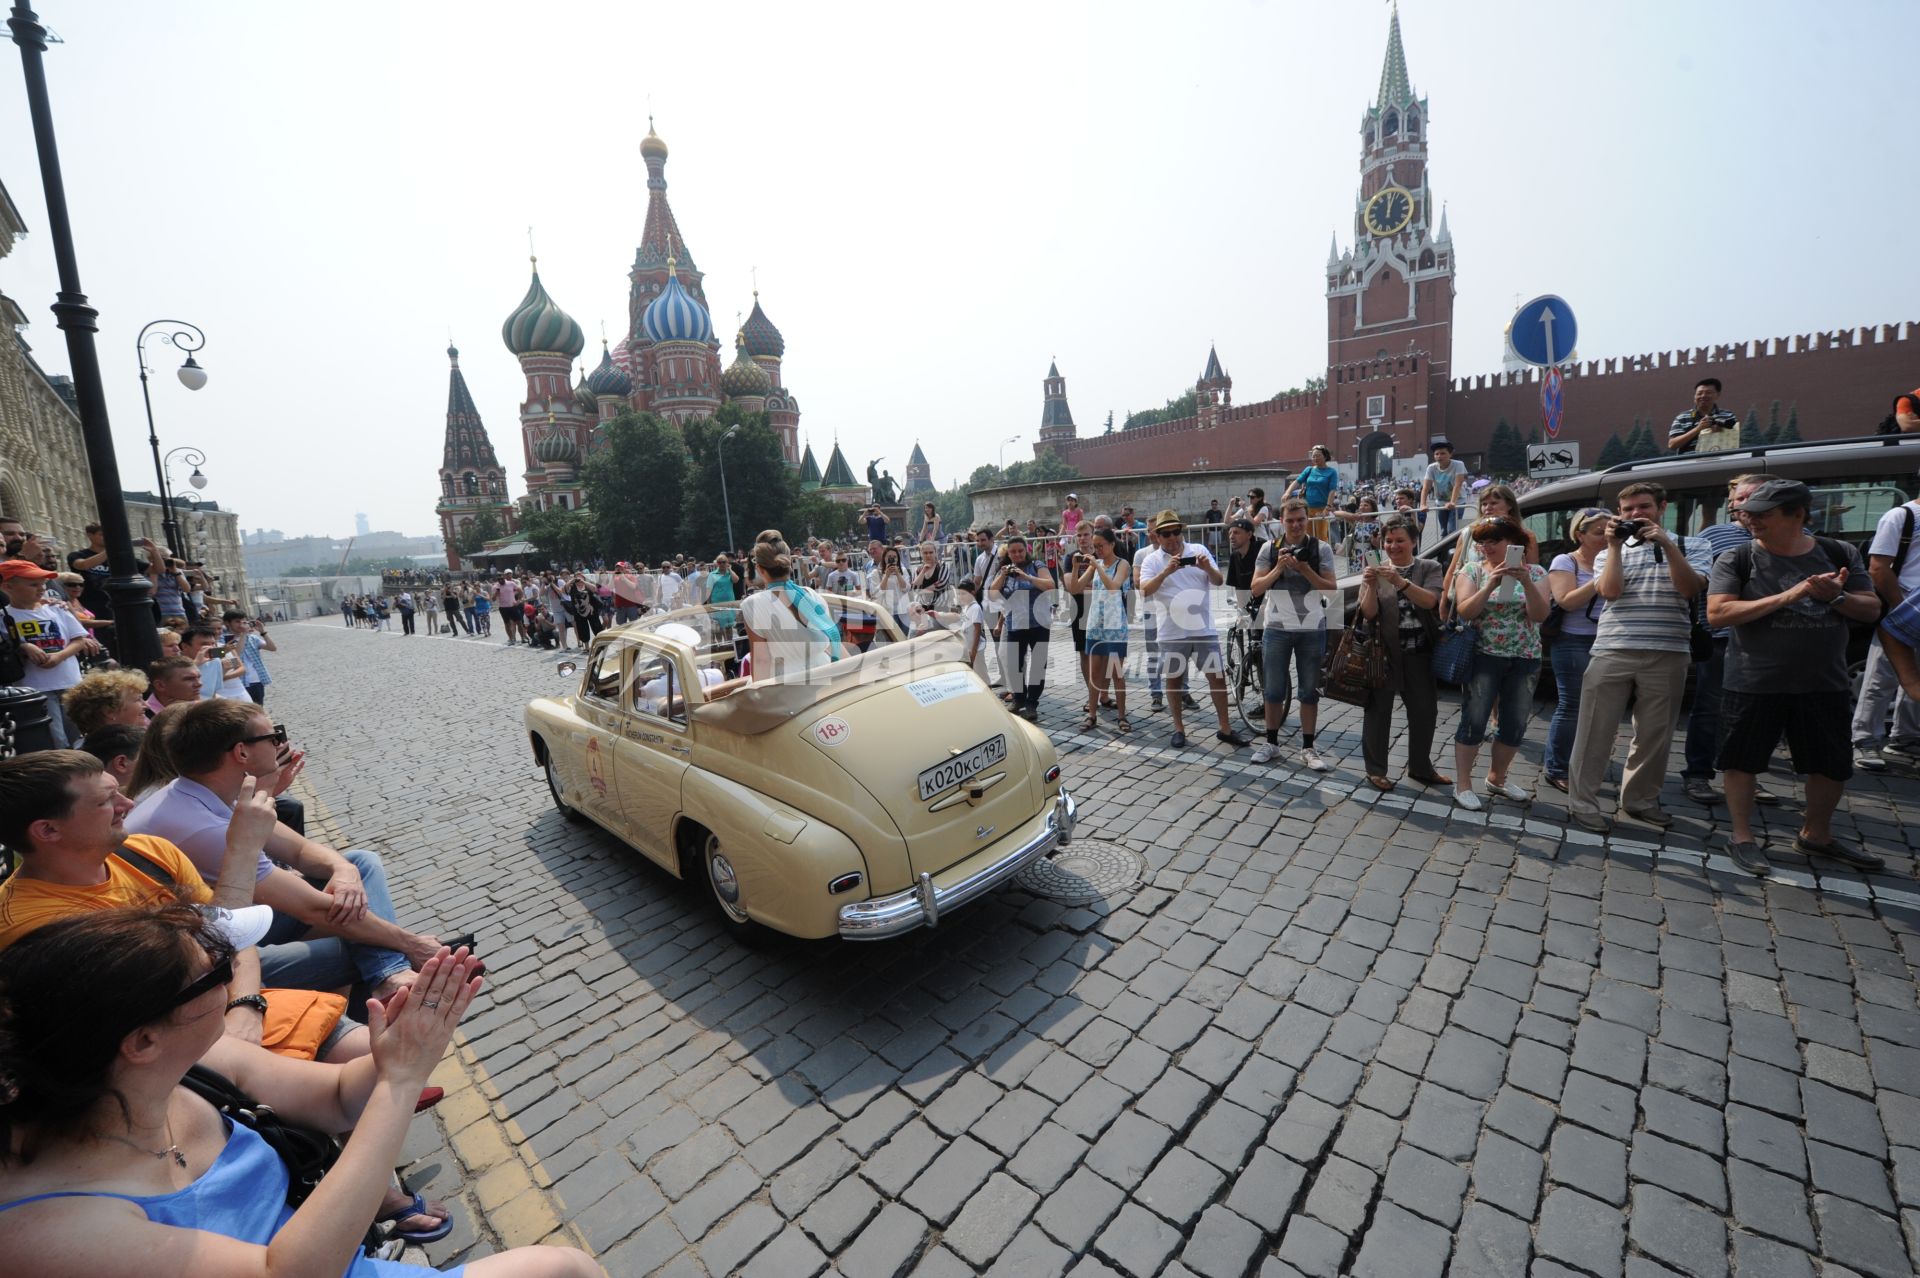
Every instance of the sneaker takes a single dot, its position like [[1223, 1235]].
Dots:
[[1263, 753], [1868, 759], [1508, 790], [1467, 799], [1832, 849], [1654, 815], [1701, 790], [1158, 703], [1909, 750], [1749, 857], [1312, 759], [1187, 702], [1594, 821]]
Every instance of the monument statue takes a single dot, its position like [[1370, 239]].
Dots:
[[886, 491]]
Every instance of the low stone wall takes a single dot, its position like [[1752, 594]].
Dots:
[[1185, 491]]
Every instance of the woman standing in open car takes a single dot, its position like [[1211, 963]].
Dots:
[[109, 1164]]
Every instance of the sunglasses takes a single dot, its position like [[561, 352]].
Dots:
[[278, 735], [221, 973]]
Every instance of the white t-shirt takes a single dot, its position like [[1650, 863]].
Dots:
[[654, 691], [671, 583], [48, 629], [1886, 541], [791, 644], [1184, 602]]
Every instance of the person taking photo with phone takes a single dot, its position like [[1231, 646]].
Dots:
[[1289, 575]]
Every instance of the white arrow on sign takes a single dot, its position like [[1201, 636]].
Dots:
[[1546, 321]]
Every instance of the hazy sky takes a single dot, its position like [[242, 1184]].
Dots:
[[939, 200]]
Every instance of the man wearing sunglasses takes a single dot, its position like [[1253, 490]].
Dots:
[[334, 920]]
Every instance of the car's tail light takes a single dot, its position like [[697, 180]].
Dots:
[[1053, 774], [845, 883]]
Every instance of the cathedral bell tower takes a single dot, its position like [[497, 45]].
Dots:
[[1390, 297]]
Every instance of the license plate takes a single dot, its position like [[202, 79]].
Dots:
[[962, 767]]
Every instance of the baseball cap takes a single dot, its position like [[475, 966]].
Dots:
[[1074, 496], [1776, 493], [12, 568], [1244, 525], [1167, 521], [242, 927]]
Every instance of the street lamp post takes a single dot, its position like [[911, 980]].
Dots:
[[177, 540], [1011, 439], [189, 338], [136, 638], [720, 449]]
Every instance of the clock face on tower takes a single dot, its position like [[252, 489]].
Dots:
[[1390, 209]]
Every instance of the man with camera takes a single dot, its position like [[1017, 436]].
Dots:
[[1177, 579], [1706, 427], [1790, 598], [1288, 575], [1641, 653]]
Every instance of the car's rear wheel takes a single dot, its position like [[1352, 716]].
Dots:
[[722, 881], [553, 788]]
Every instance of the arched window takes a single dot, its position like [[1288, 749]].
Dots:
[[1390, 127], [1426, 260], [472, 482], [1413, 125]]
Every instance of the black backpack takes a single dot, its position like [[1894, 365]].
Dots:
[[13, 662]]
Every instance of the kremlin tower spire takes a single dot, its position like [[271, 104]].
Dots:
[[471, 480], [1056, 419]]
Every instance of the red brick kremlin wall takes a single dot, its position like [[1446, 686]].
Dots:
[[1841, 382]]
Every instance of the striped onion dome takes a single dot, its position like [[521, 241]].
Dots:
[[675, 316], [538, 325], [607, 379], [583, 394], [744, 377], [762, 337], [556, 449]]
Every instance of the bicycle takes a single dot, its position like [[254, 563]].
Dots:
[[1246, 671]]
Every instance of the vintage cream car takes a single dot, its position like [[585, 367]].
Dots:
[[862, 798]]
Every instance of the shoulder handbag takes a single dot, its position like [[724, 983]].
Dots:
[[1699, 638], [1453, 649], [308, 1154], [1356, 666]]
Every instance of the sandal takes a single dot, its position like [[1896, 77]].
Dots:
[[1108, 703], [1123, 724], [1089, 721], [418, 1207]]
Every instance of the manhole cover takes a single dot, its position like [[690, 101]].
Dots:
[[1082, 872]]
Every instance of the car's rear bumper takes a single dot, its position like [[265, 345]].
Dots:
[[923, 904]]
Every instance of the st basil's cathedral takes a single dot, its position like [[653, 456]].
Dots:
[[669, 363]]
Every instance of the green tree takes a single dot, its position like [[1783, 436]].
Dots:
[[1613, 452], [814, 515], [1644, 445], [1790, 433], [1179, 406], [635, 483], [1773, 423], [563, 536], [1533, 436], [1751, 435], [1506, 451], [484, 528], [760, 488]]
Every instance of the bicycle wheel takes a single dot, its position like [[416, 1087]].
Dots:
[[1244, 682]]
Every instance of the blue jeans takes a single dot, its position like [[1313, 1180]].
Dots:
[[1446, 515], [1153, 654], [288, 959], [1508, 680], [1306, 648], [1570, 654], [1703, 722]]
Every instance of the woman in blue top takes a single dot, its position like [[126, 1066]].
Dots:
[[109, 1165], [1314, 485]]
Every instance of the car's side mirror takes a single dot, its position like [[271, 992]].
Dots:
[[567, 668]]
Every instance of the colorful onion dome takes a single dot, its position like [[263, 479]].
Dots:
[[538, 325], [556, 449], [762, 337], [744, 377], [607, 379], [675, 316]]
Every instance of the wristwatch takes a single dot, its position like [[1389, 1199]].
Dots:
[[257, 1002]]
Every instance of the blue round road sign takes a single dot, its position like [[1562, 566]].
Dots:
[[1544, 331]]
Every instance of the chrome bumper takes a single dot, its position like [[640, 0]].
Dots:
[[924, 903]]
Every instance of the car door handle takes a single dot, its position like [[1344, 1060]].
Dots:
[[680, 749]]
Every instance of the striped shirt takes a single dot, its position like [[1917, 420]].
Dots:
[[1720, 418], [1649, 615]]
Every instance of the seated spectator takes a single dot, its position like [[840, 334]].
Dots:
[[117, 746], [153, 980], [333, 915], [153, 766], [172, 680], [169, 644], [103, 697]]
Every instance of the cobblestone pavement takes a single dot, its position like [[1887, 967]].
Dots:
[[1331, 1032]]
